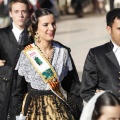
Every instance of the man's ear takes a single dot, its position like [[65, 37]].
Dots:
[[10, 14], [108, 28]]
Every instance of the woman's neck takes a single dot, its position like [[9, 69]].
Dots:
[[44, 46]]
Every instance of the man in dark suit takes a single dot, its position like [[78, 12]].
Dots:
[[11, 45], [102, 66]]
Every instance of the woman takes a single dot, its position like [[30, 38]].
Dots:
[[46, 66], [102, 106]]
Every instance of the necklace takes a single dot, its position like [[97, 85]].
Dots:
[[47, 56]]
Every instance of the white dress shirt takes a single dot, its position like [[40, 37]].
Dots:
[[116, 50], [16, 32]]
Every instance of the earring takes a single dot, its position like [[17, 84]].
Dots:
[[30, 30], [36, 36], [39, 39]]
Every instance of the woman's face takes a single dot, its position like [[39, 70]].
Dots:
[[46, 27], [110, 113]]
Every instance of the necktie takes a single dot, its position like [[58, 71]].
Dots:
[[20, 39], [21, 36]]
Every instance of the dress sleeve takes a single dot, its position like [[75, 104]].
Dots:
[[72, 85], [68, 62], [71, 82]]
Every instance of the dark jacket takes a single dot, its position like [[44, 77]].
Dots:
[[101, 71], [9, 51]]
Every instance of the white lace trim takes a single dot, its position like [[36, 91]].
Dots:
[[61, 63]]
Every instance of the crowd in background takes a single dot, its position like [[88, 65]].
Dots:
[[62, 7]]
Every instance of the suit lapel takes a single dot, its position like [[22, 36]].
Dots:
[[110, 54], [12, 36], [25, 37], [113, 58]]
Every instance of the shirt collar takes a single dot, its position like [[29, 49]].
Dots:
[[116, 47], [16, 31]]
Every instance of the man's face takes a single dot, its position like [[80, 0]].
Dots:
[[114, 31], [19, 14]]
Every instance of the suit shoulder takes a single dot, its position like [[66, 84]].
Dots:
[[100, 48], [2, 30]]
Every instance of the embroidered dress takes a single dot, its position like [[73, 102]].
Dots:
[[40, 102]]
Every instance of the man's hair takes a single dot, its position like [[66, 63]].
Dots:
[[111, 15], [20, 1], [107, 99]]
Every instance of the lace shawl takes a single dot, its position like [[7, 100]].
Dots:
[[61, 63]]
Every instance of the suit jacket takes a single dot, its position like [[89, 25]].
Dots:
[[9, 51], [101, 71], [9, 46]]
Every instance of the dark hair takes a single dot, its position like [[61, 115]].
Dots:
[[33, 21], [111, 15], [106, 99], [20, 1]]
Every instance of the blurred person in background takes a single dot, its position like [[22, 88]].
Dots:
[[77, 5], [34, 5], [101, 70], [62, 7], [4, 14], [45, 4], [55, 8], [111, 4], [50, 4], [95, 5], [101, 6], [12, 40], [102, 106]]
